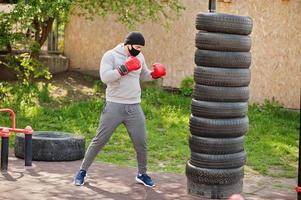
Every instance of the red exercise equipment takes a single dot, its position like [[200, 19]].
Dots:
[[5, 133]]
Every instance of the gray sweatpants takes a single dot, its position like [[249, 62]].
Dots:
[[113, 114]]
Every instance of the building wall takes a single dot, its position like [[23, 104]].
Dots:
[[276, 45], [6, 8]]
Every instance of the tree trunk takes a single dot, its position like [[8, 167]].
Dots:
[[46, 29], [37, 27], [9, 48], [42, 29]]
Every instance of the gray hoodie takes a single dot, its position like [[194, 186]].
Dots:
[[122, 89]]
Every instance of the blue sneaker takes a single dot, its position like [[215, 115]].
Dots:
[[145, 180], [80, 178]]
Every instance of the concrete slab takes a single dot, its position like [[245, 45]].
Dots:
[[54, 180]]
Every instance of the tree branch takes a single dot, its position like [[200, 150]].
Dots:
[[36, 26]]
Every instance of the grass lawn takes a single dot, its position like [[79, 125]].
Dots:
[[72, 103]]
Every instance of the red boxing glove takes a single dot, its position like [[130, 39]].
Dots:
[[159, 71], [131, 64]]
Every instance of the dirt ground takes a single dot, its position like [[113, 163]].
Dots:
[[73, 85]]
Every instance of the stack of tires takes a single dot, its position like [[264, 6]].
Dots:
[[219, 106]]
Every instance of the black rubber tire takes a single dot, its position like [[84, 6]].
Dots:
[[218, 109], [224, 23], [222, 59], [214, 146], [213, 176], [220, 94], [222, 76], [206, 191], [218, 128], [225, 161], [52, 146], [222, 42]]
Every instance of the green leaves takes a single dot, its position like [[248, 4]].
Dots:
[[32, 21], [186, 86], [5, 89], [131, 12]]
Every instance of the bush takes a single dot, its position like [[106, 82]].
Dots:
[[4, 90], [27, 68], [186, 87]]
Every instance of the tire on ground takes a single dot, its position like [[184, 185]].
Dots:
[[205, 145], [222, 76], [222, 42], [218, 128], [213, 176], [224, 23], [214, 191], [222, 59], [52, 146]]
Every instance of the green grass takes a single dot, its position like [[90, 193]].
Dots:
[[272, 142]]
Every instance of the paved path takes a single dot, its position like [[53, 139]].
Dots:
[[53, 180]]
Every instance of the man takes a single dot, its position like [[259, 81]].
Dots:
[[121, 70]]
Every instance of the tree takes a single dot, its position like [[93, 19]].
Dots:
[[30, 23]]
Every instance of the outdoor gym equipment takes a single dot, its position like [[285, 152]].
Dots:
[[218, 121], [5, 133]]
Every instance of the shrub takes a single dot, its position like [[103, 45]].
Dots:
[[27, 68], [186, 87]]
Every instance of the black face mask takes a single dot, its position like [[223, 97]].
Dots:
[[133, 51]]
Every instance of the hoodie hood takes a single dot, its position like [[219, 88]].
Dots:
[[119, 49]]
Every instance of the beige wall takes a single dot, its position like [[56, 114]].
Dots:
[[276, 45]]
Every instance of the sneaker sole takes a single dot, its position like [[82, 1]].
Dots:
[[79, 184], [139, 181]]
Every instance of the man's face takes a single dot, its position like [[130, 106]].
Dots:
[[133, 49], [135, 46]]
